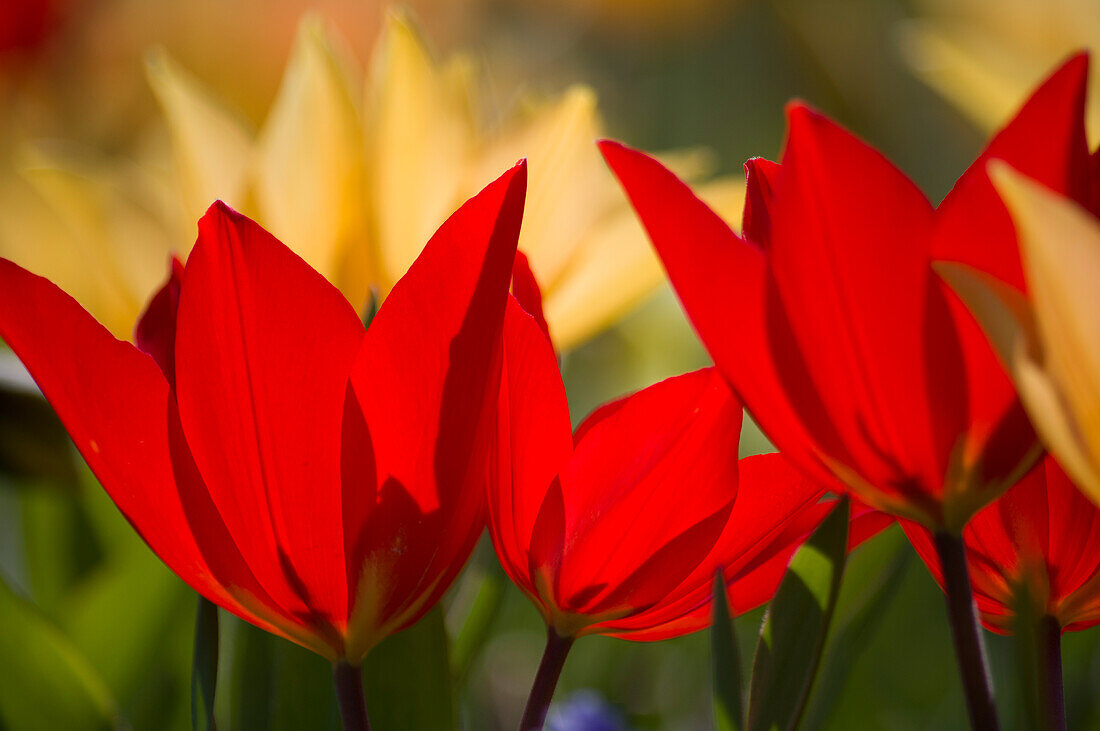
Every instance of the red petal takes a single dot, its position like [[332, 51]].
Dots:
[[155, 332], [721, 280], [427, 380], [535, 442], [264, 346], [760, 177], [119, 410], [849, 240], [1046, 142], [527, 292], [776, 509], [625, 497]]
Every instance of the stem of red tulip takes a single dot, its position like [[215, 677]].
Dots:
[[553, 660], [963, 616], [349, 692], [1055, 701]]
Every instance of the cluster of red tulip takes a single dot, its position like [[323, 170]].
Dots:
[[326, 479]]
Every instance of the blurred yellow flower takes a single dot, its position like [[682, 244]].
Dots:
[[1049, 340], [357, 182], [986, 56]]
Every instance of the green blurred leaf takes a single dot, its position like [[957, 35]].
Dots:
[[57, 544], [407, 679], [44, 680], [854, 632], [204, 667], [246, 683], [1028, 641], [726, 660], [793, 635], [478, 625], [305, 696], [120, 615]]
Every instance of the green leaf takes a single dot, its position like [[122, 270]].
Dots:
[[854, 631], [726, 660], [204, 667], [246, 687], [794, 631], [407, 679], [44, 680], [268, 682], [478, 625], [1028, 641]]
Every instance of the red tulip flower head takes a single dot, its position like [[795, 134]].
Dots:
[[827, 319], [619, 528], [322, 481], [1043, 531]]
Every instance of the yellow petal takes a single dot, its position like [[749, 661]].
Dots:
[[212, 146], [308, 182], [419, 133], [89, 237], [1060, 249], [615, 267], [568, 191], [1006, 317]]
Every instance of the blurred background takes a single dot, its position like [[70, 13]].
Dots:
[[95, 632]]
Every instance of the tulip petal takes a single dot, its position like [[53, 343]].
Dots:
[[213, 147], [760, 180], [426, 379], [535, 442], [309, 184], [1060, 245], [418, 136], [854, 287], [119, 411], [618, 492], [776, 509], [1045, 141], [155, 333], [715, 273], [527, 292], [264, 347]]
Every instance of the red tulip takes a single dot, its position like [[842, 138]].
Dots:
[[826, 318], [618, 529], [323, 482], [1043, 531]]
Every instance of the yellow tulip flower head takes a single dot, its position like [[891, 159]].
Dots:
[[354, 169], [1049, 339]]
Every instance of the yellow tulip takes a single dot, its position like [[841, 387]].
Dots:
[[355, 171], [1050, 339], [985, 56]]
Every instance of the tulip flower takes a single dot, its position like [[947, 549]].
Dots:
[[1047, 339], [827, 319], [1042, 533], [982, 57], [353, 174], [619, 528], [322, 482]]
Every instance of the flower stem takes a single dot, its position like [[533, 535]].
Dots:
[[1055, 702], [349, 692], [553, 660], [973, 664]]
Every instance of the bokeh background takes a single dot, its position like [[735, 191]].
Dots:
[[95, 632]]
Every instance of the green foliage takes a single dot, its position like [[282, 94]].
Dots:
[[204, 672], [45, 681], [407, 679], [726, 659], [793, 635]]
